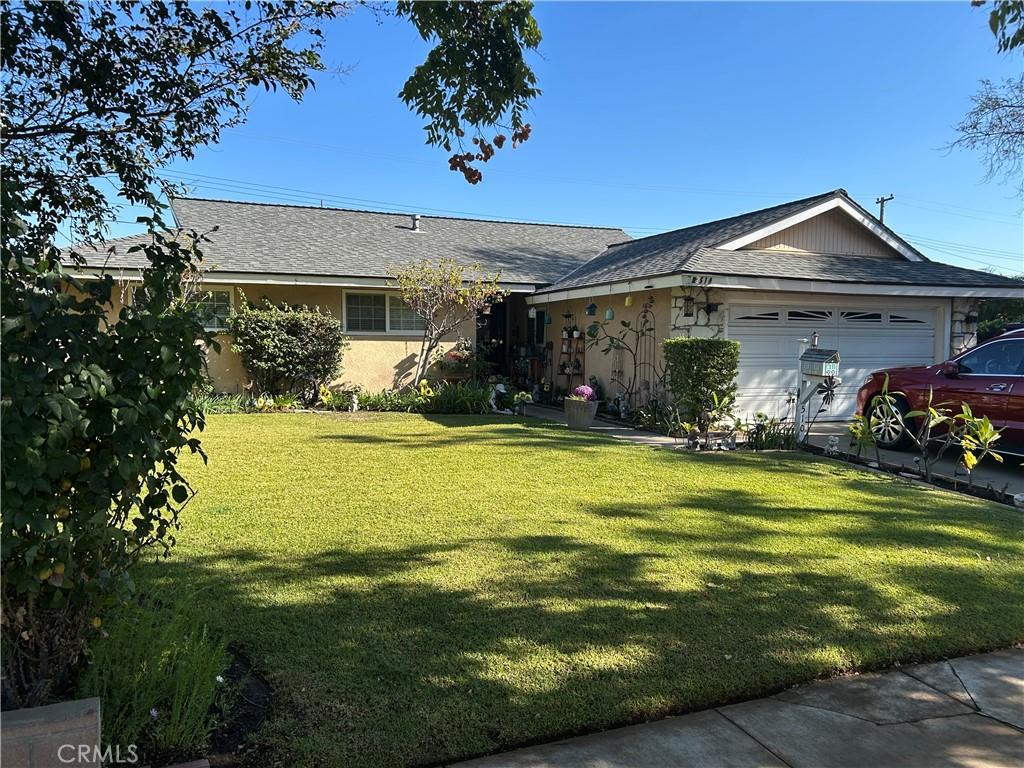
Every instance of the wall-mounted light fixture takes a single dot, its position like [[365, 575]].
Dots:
[[971, 318], [712, 306], [688, 307]]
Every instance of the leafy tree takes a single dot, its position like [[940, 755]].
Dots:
[[446, 295], [287, 350], [96, 98], [997, 313], [995, 125]]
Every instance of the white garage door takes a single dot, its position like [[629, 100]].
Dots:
[[867, 339]]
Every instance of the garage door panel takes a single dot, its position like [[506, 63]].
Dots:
[[867, 339]]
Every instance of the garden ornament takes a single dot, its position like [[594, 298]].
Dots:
[[498, 389], [832, 447]]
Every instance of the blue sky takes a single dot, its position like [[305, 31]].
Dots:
[[656, 116]]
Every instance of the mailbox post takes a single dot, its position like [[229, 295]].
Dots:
[[816, 365]]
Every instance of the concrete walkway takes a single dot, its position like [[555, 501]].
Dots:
[[608, 428], [966, 712]]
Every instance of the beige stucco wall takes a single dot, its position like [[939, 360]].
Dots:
[[372, 361], [596, 363]]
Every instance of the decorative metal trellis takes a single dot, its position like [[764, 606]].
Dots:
[[645, 375]]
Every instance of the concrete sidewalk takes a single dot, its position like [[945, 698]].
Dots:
[[966, 712]]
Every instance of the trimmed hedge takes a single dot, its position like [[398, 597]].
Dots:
[[287, 350], [695, 369]]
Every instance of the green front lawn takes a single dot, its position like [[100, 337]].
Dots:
[[419, 590]]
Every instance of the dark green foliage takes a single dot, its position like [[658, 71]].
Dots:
[[476, 75], [287, 350], [768, 433], [157, 657], [457, 397], [96, 98], [95, 416], [696, 370], [996, 313]]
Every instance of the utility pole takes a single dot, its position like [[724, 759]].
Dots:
[[881, 201]]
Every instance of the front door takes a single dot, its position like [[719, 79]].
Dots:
[[492, 338]]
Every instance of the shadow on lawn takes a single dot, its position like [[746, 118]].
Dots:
[[389, 657]]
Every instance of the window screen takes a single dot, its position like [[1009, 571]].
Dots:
[[402, 316], [216, 308], [365, 312]]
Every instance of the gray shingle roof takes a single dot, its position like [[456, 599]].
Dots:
[[298, 240], [667, 253], [841, 269]]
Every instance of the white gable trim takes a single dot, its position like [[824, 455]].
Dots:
[[816, 210], [771, 284]]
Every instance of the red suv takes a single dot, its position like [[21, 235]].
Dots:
[[989, 378]]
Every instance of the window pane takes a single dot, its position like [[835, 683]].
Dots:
[[403, 317], [1005, 358], [215, 307], [364, 312]]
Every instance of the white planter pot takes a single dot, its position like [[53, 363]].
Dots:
[[579, 414]]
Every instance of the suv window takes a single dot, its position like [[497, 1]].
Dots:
[[1000, 358]]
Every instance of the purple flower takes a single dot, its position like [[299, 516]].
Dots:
[[585, 392]]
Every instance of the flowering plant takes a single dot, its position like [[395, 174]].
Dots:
[[582, 392]]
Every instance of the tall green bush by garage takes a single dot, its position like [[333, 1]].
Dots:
[[696, 369], [287, 350]]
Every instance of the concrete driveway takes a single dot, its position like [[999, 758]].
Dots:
[[1009, 474], [966, 712]]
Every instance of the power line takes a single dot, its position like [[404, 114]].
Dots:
[[295, 195], [981, 251]]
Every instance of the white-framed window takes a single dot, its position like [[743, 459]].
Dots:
[[366, 312], [371, 312], [215, 309], [402, 317]]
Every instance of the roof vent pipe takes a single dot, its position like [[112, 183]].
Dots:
[[416, 222]]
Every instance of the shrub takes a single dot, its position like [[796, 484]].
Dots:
[[160, 676], [456, 397], [94, 419], [768, 433], [697, 370], [339, 399], [287, 350]]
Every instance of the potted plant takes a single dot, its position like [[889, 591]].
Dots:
[[581, 407]]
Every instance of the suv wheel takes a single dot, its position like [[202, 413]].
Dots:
[[888, 423]]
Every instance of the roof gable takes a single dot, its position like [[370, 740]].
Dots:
[[833, 231], [837, 200]]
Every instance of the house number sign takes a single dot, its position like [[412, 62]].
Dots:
[[699, 280]]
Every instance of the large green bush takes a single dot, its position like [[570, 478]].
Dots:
[[698, 370], [288, 350], [94, 419]]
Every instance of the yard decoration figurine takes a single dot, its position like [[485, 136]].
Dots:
[[498, 389], [832, 447]]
